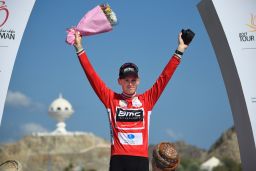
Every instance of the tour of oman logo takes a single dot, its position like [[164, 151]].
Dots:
[[252, 25], [4, 13], [249, 36]]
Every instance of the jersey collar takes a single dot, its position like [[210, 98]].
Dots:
[[128, 96]]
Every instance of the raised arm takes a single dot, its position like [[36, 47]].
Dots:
[[102, 91], [153, 94]]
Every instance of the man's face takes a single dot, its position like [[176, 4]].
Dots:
[[129, 84]]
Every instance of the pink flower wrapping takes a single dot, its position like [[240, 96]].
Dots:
[[93, 22]]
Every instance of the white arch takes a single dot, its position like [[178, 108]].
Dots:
[[228, 24]]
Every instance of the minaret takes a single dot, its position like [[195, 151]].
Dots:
[[60, 109]]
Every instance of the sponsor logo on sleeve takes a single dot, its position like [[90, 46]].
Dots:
[[122, 103], [136, 102]]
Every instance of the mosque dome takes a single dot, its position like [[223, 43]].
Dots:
[[60, 109]]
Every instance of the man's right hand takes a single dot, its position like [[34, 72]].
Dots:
[[182, 46]]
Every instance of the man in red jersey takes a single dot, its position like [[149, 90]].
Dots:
[[129, 112]]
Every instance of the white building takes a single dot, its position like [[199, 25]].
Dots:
[[60, 110], [210, 164]]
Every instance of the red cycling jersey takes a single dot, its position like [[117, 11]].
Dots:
[[128, 116]]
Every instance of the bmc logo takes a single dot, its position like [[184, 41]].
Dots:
[[123, 115], [4, 13], [129, 119]]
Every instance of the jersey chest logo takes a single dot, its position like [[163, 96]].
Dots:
[[129, 118], [123, 115]]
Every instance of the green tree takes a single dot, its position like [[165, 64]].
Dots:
[[188, 164], [193, 167], [180, 168], [228, 165], [69, 167], [220, 168]]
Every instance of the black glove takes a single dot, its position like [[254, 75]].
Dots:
[[187, 35]]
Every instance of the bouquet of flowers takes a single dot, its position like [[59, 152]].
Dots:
[[110, 14], [98, 20]]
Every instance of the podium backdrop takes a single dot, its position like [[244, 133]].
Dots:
[[14, 15], [231, 25]]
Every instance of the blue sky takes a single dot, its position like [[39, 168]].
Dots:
[[194, 106]]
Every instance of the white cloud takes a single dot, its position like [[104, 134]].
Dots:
[[18, 99], [30, 128], [15, 98], [173, 134]]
